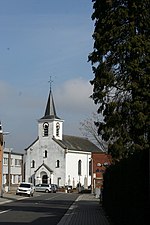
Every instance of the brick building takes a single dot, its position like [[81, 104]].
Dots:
[[100, 161]]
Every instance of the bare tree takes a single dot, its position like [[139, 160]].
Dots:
[[89, 129]]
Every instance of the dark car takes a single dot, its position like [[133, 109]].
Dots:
[[68, 188], [54, 188]]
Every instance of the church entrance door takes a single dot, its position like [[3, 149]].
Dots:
[[44, 179]]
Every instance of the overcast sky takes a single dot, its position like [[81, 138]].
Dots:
[[39, 39]]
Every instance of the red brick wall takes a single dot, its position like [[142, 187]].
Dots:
[[100, 162]]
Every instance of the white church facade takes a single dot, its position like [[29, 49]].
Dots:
[[57, 158]]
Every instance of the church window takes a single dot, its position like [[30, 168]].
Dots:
[[57, 164], [57, 129], [45, 127], [90, 168], [79, 167], [45, 154], [58, 181], [32, 164]]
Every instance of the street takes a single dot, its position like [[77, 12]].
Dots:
[[43, 208]]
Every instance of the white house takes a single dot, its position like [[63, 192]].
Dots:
[[57, 158]]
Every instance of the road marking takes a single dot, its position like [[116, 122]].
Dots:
[[5, 211], [42, 201], [7, 201], [54, 196]]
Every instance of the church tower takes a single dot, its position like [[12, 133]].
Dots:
[[50, 125]]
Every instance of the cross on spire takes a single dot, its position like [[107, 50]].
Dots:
[[50, 83]]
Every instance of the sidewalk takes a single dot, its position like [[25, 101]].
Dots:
[[9, 197], [86, 210]]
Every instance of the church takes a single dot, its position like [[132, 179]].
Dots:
[[57, 158]]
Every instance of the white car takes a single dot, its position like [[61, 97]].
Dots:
[[43, 188], [25, 188]]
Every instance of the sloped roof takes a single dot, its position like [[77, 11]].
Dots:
[[74, 143], [32, 143], [50, 112], [77, 144], [43, 164]]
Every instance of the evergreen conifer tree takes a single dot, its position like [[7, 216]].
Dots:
[[121, 66]]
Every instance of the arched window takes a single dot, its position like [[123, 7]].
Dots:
[[45, 127], [57, 164], [79, 167], [45, 154], [57, 129], [32, 164]]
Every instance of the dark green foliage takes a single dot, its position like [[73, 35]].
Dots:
[[121, 65], [126, 190]]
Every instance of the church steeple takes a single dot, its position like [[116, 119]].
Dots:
[[50, 112], [1, 134], [50, 125]]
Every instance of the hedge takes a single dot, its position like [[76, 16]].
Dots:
[[125, 193]]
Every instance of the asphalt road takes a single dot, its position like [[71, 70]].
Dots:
[[42, 209]]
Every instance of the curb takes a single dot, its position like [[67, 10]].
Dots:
[[68, 215]]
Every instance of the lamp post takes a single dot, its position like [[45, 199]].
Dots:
[[30, 164], [9, 167]]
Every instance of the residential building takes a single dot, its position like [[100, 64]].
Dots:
[[12, 168]]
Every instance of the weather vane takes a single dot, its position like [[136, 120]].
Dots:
[[50, 83]]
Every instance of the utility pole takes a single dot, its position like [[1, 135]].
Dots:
[[9, 169]]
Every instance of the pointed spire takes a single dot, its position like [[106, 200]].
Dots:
[[50, 112], [50, 108], [1, 130], [1, 134]]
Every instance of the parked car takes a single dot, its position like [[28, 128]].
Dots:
[[69, 188], [54, 188], [25, 188], [43, 187]]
